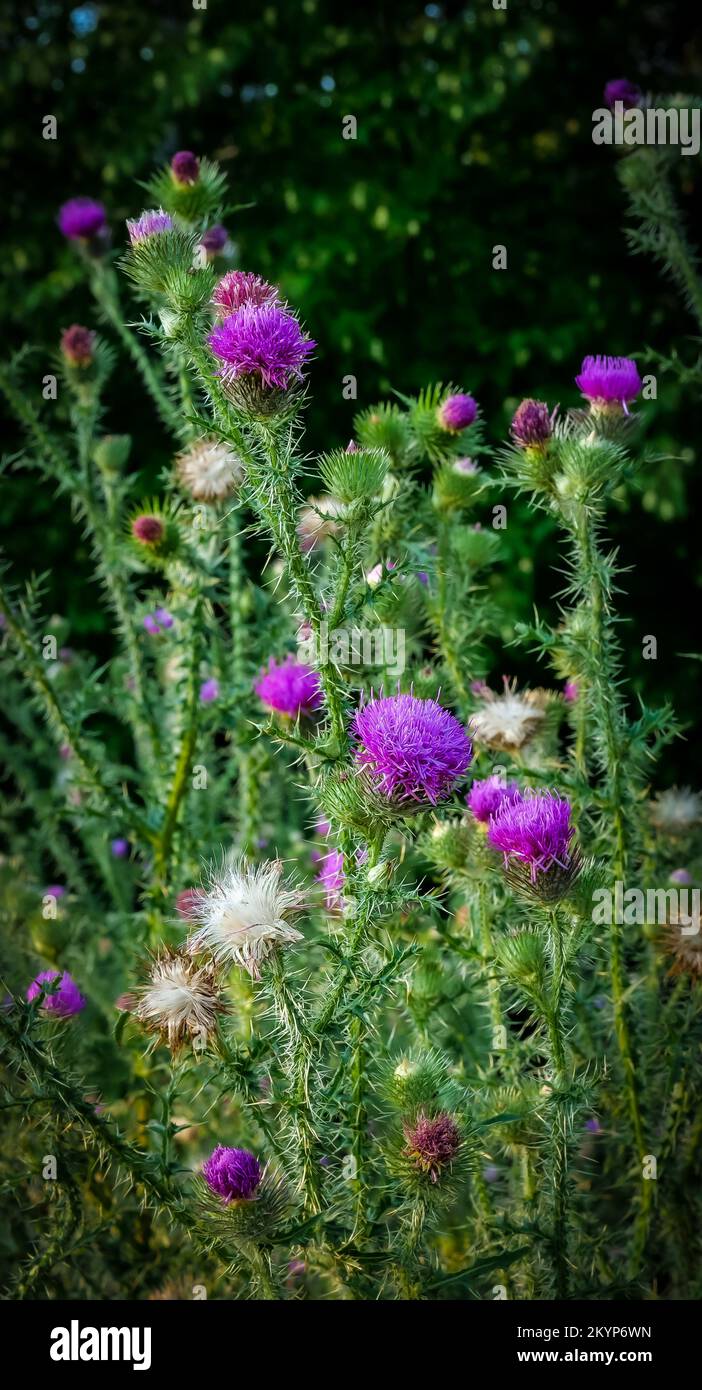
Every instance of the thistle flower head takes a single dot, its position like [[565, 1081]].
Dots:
[[185, 168], [412, 750], [181, 1000], [621, 89], [148, 530], [509, 720], [232, 1174], [532, 424], [81, 218], [214, 239], [240, 287], [77, 344], [677, 810], [264, 341], [487, 796], [209, 691], [571, 692], [685, 946], [332, 877], [534, 828], [318, 520], [185, 903], [151, 223], [432, 1144], [119, 847], [209, 470], [289, 687], [457, 412], [609, 381], [244, 914], [64, 1001]]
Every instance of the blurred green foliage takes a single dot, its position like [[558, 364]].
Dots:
[[473, 130]]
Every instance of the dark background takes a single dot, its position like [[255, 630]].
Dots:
[[474, 128]]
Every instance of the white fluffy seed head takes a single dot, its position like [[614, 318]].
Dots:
[[244, 913], [181, 1000], [209, 471], [676, 810]]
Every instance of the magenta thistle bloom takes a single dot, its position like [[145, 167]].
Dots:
[[413, 750], [486, 797], [432, 1144], [534, 828], [682, 876], [120, 848], [148, 530], [240, 287], [621, 89], [55, 890], [532, 424], [209, 691], [185, 167], [332, 877], [264, 341], [151, 223], [457, 412], [571, 692], [289, 688], [215, 239], [77, 345], [81, 218], [65, 1001], [609, 380], [233, 1174]]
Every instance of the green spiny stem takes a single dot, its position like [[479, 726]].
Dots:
[[297, 1062], [559, 1137], [359, 1126], [407, 1268], [662, 233], [488, 955], [105, 289], [609, 720], [124, 810]]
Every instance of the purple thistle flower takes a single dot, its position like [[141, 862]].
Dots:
[[151, 625], [240, 287], [467, 466], [593, 1125], [147, 529], [487, 796], [621, 89], [209, 691], [262, 340], [414, 750], [289, 688], [532, 424], [55, 890], [163, 617], [65, 1001], [534, 828], [332, 877], [233, 1174], [77, 345], [120, 848], [432, 1144], [151, 223], [185, 167], [682, 876], [81, 218], [609, 380], [457, 412], [215, 239], [571, 692]]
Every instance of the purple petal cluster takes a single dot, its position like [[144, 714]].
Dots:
[[457, 412], [262, 340], [77, 345], [151, 223], [331, 876], [157, 621], [621, 89], [432, 1143], [289, 687], [240, 287], [414, 750], [65, 1001], [233, 1174], [81, 218], [534, 827], [532, 424], [487, 796], [609, 380], [215, 238], [185, 167]]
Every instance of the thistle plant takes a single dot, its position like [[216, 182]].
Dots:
[[317, 1002]]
